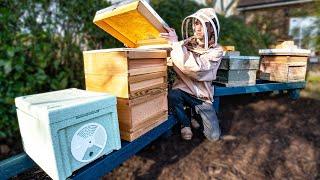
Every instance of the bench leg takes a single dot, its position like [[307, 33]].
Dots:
[[294, 94], [216, 103]]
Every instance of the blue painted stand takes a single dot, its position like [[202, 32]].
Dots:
[[20, 163]]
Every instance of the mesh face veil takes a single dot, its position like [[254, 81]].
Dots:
[[207, 17]]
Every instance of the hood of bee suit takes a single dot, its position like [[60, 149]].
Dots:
[[210, 25]]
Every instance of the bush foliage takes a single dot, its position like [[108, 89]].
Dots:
[[42, 43]]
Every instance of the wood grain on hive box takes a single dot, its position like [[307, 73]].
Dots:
[[138, 77], [125, 72], [283, 68]]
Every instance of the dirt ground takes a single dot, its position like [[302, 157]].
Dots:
[[274, 138], [270, 137]]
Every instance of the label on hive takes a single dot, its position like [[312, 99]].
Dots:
[[88, 142]]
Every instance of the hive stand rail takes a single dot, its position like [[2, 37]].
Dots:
[[293, 89]]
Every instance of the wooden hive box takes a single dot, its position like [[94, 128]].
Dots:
[[236, 70], [139, 80], [137, 75], [283, 65]]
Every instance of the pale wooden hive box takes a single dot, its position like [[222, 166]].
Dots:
[[136, 75], [236, 70], [139, 80], [283, 65]]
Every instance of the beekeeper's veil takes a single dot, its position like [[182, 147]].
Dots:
[[211, 28]]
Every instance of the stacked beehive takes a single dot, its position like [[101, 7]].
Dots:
[[286, 63], [136, 75], [236, 70]]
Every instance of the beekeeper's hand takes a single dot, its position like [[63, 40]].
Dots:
[[169, 61], [171, 36]]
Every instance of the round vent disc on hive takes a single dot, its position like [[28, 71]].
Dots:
[[88, 142]]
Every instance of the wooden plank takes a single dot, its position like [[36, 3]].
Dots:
[[143, 63], [132, 113], [144, 11], [297, 73], [283, 59], [116, 10], [143, 77], [15, 165], [134, 87], [132, 136], [149, 108], [116, 84], [133, 72], [146, 122], [280, 71], [145, 98], [124, 116], [105, 63], [152, 90], [147, 54], [285, 52], [259, 87]]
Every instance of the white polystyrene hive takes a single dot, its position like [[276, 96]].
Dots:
[[64, 130]]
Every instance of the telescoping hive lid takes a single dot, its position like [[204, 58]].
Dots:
[[56, 104], [134, 23], [285, 52]]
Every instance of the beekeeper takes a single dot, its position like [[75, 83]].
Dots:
[[195, 60]]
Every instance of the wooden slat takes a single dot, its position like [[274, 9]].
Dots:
[[273, 72], [146, 122], [297, 73], [145, 98], [132, 136], [147, 54], [283, 59], [149, 108], [133, 112], [124, 116], [152, 90], [151, 18], [134, 72], [292, 71], [134, 87], [143, 77], [143, 63]]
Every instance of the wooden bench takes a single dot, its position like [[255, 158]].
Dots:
[[21, 162]]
